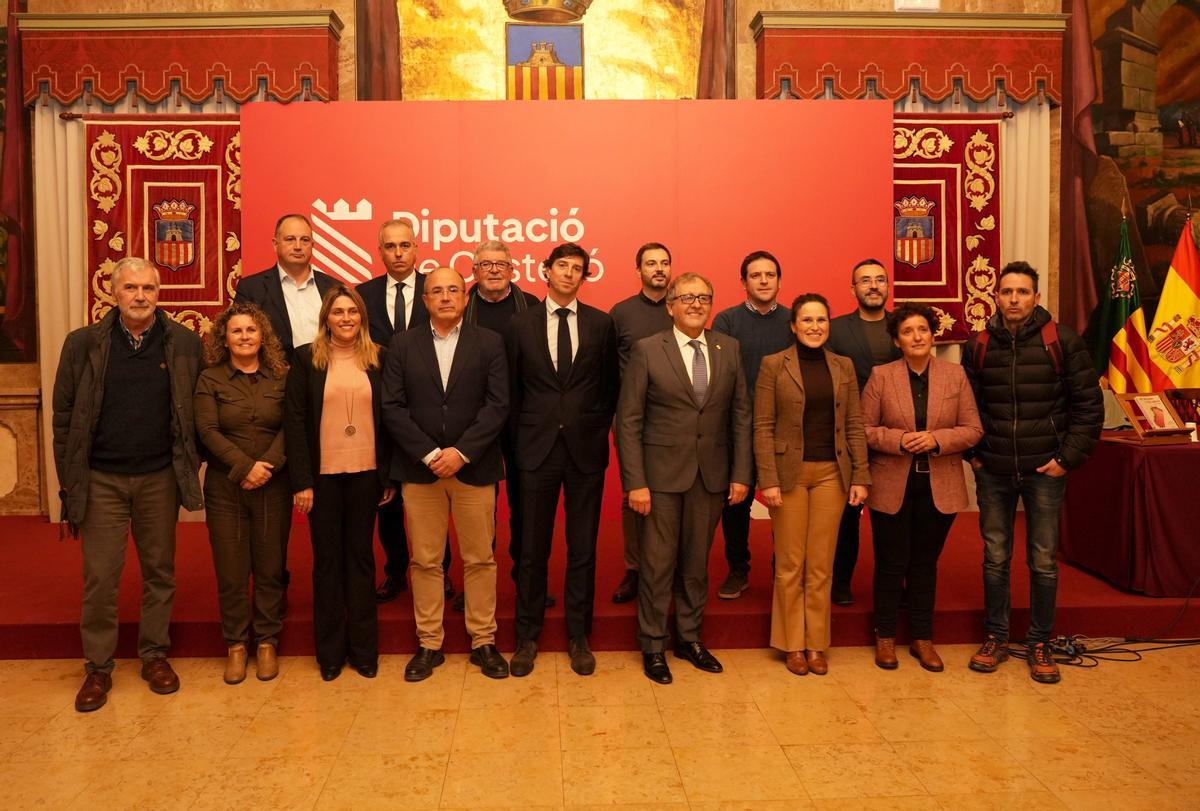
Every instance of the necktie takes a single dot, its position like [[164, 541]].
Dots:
[[564, 345], [699, 371], [398, 316]]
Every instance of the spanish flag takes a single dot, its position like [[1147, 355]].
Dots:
[[1174, 338]]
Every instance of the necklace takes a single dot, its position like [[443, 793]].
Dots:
[[350, 429]]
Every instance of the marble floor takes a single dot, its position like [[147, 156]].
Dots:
[[1121, 736]]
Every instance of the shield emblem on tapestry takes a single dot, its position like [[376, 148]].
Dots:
[[174, 234], [914, 231]]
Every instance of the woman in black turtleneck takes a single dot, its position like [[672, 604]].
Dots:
[[812, 457]]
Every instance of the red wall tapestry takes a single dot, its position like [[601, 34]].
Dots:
[[946, 214], [167, 188]]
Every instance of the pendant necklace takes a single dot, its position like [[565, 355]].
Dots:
[[350, 430]]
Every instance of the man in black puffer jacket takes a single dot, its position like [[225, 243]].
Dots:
[[1041, 407]]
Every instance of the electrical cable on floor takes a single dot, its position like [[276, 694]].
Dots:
[[1087, 652]]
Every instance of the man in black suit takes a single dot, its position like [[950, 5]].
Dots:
[[289, 293], [395, 303], [563, 365], [861, 336], [445, 402]]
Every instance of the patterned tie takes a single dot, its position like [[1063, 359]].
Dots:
[[564, 345], [398, 315], [699, 371]]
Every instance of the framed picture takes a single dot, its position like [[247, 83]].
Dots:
[[1154, 419]]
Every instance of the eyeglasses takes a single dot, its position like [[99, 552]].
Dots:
[[867, 282], [486, 266], [692, 298]]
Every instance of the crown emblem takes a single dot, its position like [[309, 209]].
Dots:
[[173, 209], [342, 211], [546, 11], [914, 206]]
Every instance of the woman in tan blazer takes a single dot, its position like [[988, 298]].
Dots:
[[920, 416], [811, 455]]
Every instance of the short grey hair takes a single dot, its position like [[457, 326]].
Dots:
[[409, 224], [492, 245], [134, 263], [684, 278]]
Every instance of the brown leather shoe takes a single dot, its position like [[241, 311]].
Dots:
[[796, 662], [235, 665], [885, 652], [94, 693], [158, 673], [922, 650], [991, 654], [266, 663], [818, 665]]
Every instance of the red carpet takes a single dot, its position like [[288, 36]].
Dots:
[[40, 593]]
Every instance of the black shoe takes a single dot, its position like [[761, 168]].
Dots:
[[521, 663], [842, 595], [459, 603], [447, 585], [550, 601], [330, 672], [390, 589], [367, 671], [734, 585], [421, 666], [654, 665], [698, 655], [628, 588], [582, 660], [490, 662]]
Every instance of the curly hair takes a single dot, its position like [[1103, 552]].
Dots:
[[270, 352], [908, 310]]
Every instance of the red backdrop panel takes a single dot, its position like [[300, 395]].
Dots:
[[713, 180]]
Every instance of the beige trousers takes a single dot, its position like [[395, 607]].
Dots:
[[429, 508], [806, 529]]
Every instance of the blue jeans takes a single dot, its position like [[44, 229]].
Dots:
[[1042, 496]]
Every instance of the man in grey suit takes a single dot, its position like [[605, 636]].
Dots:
[[684, 443]]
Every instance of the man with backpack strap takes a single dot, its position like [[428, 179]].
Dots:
[[1040, 403]]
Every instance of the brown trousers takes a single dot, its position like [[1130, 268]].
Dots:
[[429, 508], [806, 529], [248, 530], [147, 504]]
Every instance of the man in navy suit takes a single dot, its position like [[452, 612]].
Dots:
[[445, 402], [395, 303], [289, 293], [563, 365]]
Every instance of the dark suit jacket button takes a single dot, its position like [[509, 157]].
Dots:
[[560, 426], [444, 406]]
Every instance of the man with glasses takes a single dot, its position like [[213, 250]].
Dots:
[[684, 442], [562, 358], [635, 318], [395, 302], [861, 336], [491, 303], [761, 328]]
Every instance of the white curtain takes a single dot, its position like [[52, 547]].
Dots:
[[59, 193]]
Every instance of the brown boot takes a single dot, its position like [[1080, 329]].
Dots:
[[885, 652], [991, 654], [94, 693], [922, 650], [266, 663], [796, 662], [235, 665], [818, 665]]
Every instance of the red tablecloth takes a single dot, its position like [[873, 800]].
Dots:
[[1132, 516]]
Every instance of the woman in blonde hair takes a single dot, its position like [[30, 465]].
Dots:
[[339, 459], [239, 421]]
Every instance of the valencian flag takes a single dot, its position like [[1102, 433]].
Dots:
[[1168, 355], [1120, 301]]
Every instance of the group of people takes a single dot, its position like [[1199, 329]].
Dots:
[[413, 396]]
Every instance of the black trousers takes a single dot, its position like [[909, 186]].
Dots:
[[512, 491], [344, 618], [582, 496], [394, 539], [735, 527], [907, 547], [845, 557]]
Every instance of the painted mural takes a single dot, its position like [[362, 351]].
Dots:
[[616, 49], [1147, 124]]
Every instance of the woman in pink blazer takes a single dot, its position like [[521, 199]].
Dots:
[[919, 414]]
